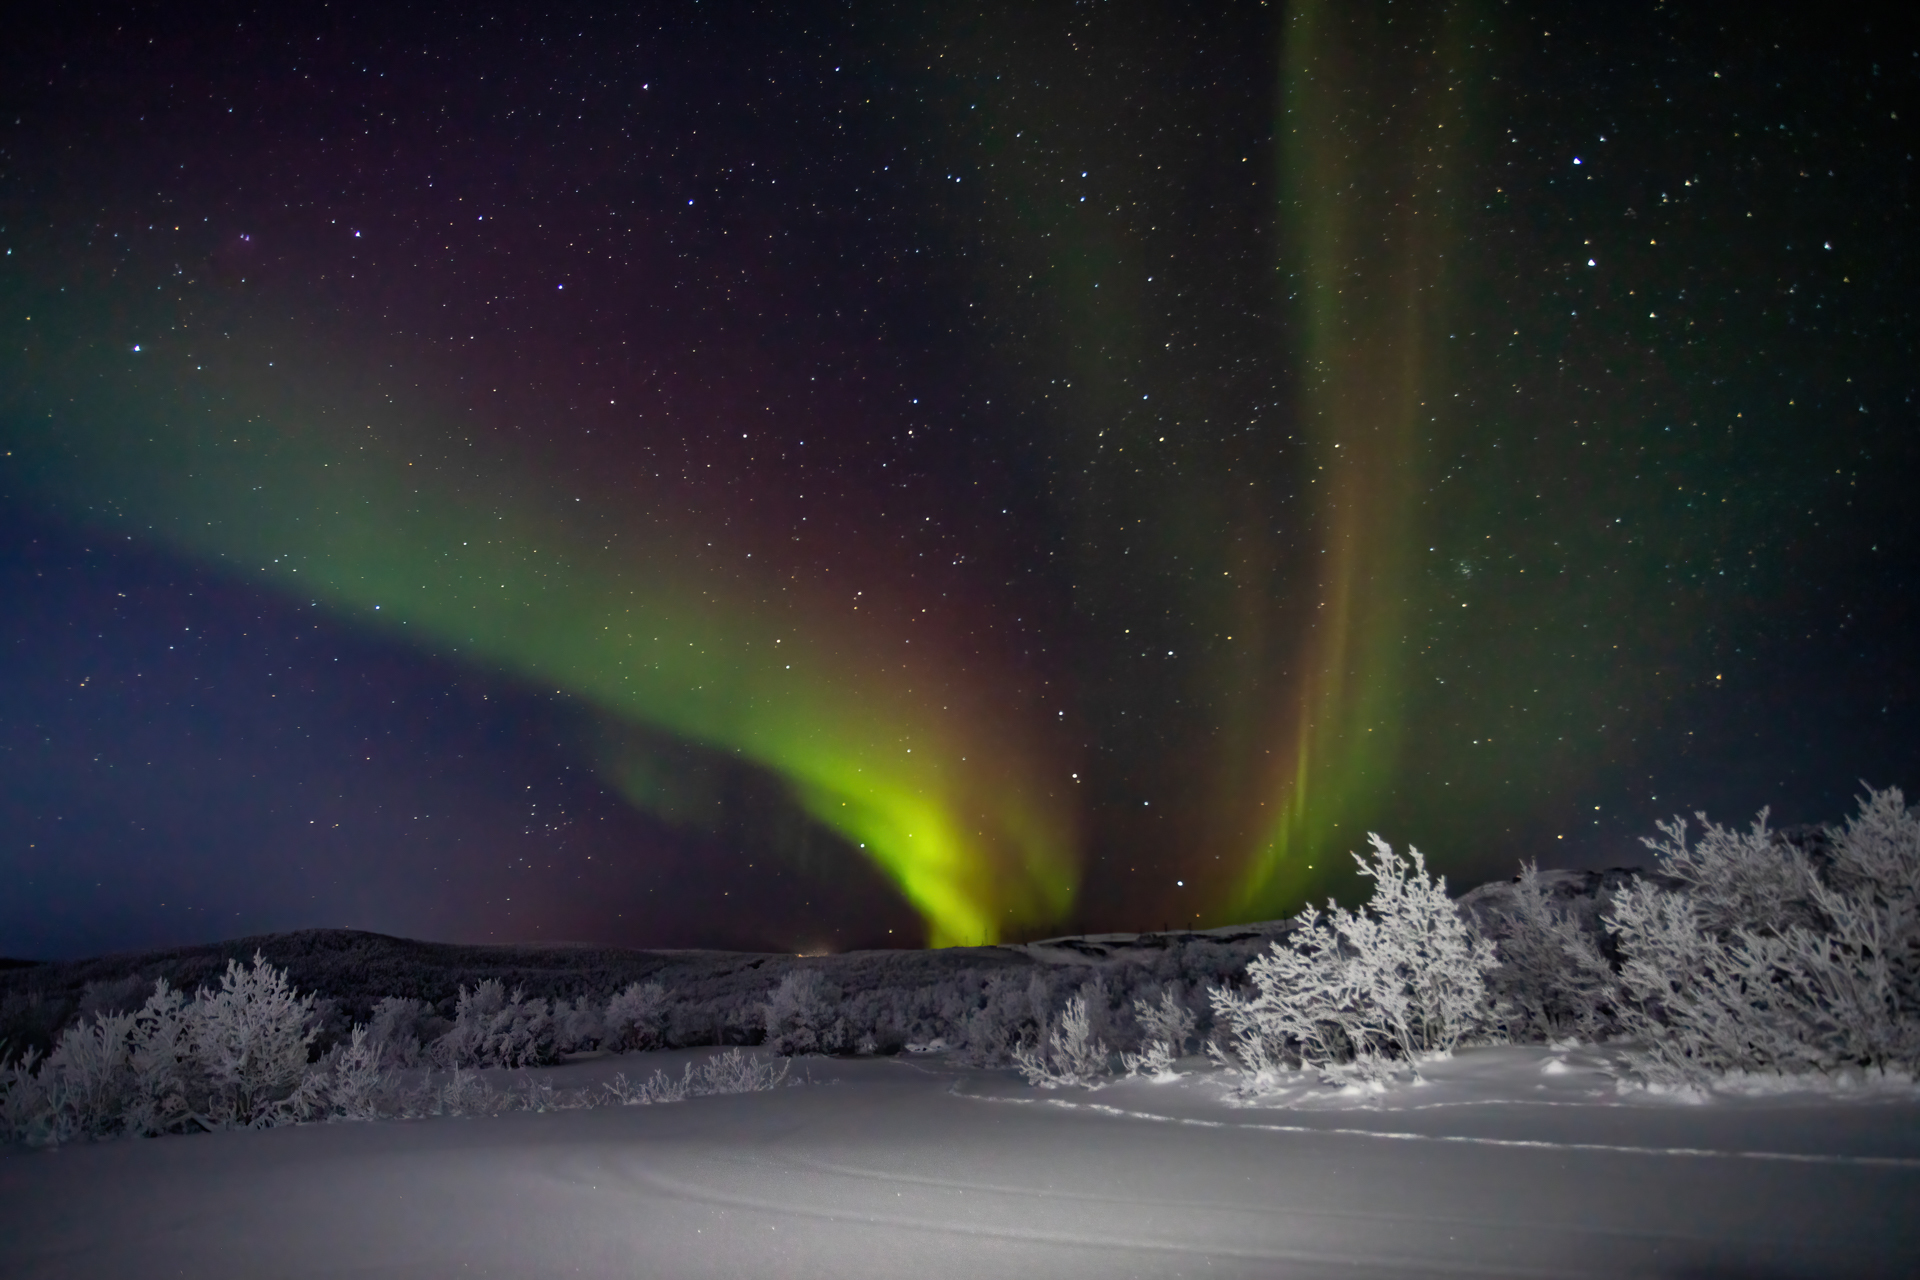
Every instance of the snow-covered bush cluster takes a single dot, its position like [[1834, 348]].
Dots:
[[1056, 1016], [1770, 960], [253, 1053], [1754, 952], [238, 1058], [1743, 953], [231, 1058], [1069, 1049], [494, 1027]]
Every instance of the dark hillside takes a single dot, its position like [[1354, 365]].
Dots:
[[718, 993]]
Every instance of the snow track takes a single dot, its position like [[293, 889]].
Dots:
[[1890, 1162]]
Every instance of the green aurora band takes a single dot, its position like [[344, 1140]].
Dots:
[[904, 749]]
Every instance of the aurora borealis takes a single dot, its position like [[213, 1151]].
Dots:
[[832, 476]]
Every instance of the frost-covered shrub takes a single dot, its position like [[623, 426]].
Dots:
[[661, 1087], [1359, 995], [396, 1031], [1169, 1021], [494, 1029], [120, 995], [578, 1025], [463, 1093], [1154, 1061], [735, 1071], [1763, 963], [1697, 1005], [351, 1082], [21, 1107], [1552, 981], [1165, 1028], [986, 1020], [84, 1084], [636, 1017], [803, 1015], [1065, 1052], [1739, 879]]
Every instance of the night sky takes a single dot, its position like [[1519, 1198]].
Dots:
[[850, 475]]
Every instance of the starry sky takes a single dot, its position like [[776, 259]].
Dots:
[[840, 475]]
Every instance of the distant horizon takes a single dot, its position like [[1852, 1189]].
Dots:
[[575, 944], [1355, 886]]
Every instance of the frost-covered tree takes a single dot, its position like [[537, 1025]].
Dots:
[[249, 1048], [164, 1060], [1360, 995], [1876, 869]]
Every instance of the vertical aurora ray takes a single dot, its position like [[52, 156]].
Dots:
[[1253, 533], [1372, 118], [1134, 312], [906, 744]]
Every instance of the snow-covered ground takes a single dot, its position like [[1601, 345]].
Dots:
[[1508, 1161]]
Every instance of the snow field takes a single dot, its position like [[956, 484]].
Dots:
[[890, 1167]]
